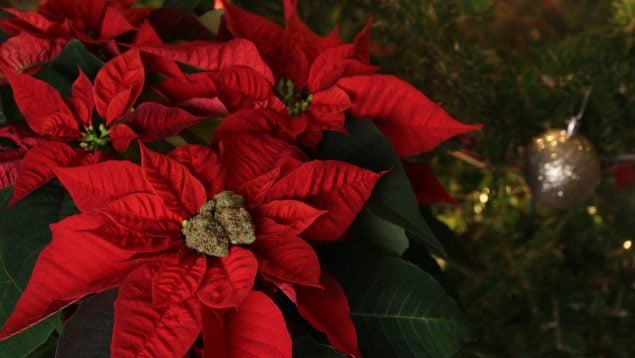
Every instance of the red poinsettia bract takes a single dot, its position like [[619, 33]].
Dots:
[[232, 71], [11, 156], [70, 133], [26, 53], [319, 79], [191, 238], [95, 22]]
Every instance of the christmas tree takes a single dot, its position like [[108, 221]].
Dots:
[[534, 281], [537, 270]]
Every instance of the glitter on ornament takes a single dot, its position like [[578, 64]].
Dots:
[[563, 170]]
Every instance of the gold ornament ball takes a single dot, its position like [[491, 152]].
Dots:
[[562, 171]]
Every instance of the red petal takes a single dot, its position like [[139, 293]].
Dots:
[[21, 136], [229, 280], [145, 330], [195, 85], [254, 120], [264, 33], [146, 35], [426, 186], [31, 19], [93, 186], [336, 63], [311, 138], [121, 136], [114, 24], [246, 156], [205, 107], [9, 166], [624, 174], [289, 258], [412, 122], [327, 310], [75, 264], [339, 188], [125, 239], [43, 107], [180, 191], [154, 121], [25, 52], [327, 109], [36, 169], [362, 42], [144, 214], [313, 43], [118, 85], [215, 56], [292, 215], [242, 87], [204, 164], [89, 13], [83, 95], [257, 188], [257, 329], [296, 65], [177, 281]]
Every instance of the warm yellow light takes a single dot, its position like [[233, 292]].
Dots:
[[483, 198], [627, 244], [441, 262], [592, 210]]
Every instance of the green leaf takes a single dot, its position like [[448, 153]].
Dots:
[[399, 310], [88, 332], [212, 20], [55, 78], [186, 5], [202, 132], [393, 199], [305, 347], [381, 236], [75, 55], [9, 112], [64, 69], [175, 24], [24, 231], [46, 350]]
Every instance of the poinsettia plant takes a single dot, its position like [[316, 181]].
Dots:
[[243, 188]]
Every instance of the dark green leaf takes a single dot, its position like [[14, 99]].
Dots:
[[174, 24], [212, 20], [76, 55], [382, 236], [305, 347], [9, 112], [399, 310], [55, 78], [64, 69], [185, 5], [47, 349], [24, 231], [393, 199], [202, 132], [89, 330], [189, 68], [3, 36]]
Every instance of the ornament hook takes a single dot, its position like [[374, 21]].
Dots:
[[574, 122]]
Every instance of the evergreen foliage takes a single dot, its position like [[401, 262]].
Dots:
[[535, 282]]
